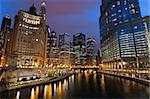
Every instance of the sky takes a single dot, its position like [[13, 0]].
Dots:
[[70, 16]]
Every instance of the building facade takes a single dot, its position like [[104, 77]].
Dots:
[[91, 51], [5, 34], [30, 37], [79, 45], [64, 46], [53, 57], [123, 40]]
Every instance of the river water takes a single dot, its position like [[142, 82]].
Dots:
[[85, 85]]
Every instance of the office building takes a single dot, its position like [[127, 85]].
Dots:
[[64, 46], [79, 45], [30, 37], [4, 39], [53, 50], [91, 51], [123, 40]]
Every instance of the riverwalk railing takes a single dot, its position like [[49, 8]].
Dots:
[[16, 85], [142, 76]]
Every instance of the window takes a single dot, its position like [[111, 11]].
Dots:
[[113, 6], [133, 11], [119, 10], [118, 3], [125, 2], [135, 27]]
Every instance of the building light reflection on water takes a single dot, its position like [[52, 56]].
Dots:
[[18, 95], [32, 94], [78, 85], [102, 85]]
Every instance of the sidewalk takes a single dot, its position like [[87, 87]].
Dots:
[[32, 82], [126, 76]]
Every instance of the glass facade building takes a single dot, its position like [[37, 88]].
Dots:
[[91, 51], [64, 46], [123, 38], [79, 47]]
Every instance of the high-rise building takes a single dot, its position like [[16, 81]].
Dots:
[[79, 45], [72, 55], [53, 50], [30, 38], [53, 39], [123, 41], [64, 46], [48, 45], [4, 39], [91, 51], [146, 22]]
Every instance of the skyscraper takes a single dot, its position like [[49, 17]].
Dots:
[[4, 36], [30, 38], [123, 41], [64, 46], [91, 51], [53, 50], [79, 45]]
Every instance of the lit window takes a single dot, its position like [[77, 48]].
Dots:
[[114, 20], [36, 39], [113, 6], [118, 3], [133, 11], [132, 5], [135, 27], [106, 14], [119, 10], [125, 2]]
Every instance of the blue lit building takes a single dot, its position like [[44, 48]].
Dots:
[[123, 37], [64, 47]]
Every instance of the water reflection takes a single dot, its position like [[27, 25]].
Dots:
[[18, 95], [87, 84], [102, 85]]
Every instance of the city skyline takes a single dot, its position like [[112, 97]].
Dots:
[[61, 15], [72, 49]]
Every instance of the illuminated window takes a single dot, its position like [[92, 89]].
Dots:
[[133, 11], [132, 5], [135, 27], [119, 10], [106, 14], [113, 6], [118, 3], [36, 39], [125, 2]]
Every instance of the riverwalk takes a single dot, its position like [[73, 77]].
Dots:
[[23, 84], [125, 76]]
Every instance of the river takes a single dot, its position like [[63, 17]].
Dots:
[[85, 85]]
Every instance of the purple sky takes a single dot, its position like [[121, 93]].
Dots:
[[71, 16]]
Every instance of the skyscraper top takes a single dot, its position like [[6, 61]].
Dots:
[[43, 4], [32, 10]]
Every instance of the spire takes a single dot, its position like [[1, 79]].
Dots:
[[43, 4], [32, 10], [43, 10]]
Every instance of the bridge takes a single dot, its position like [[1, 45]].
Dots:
[[85, 67]]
